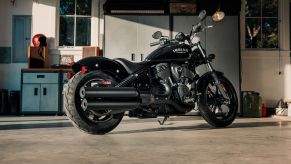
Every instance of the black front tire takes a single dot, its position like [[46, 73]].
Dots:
[[208, 105], [77, 115]]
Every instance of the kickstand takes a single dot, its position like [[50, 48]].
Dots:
[[164, 120]]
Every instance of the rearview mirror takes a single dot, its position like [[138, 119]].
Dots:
[[180, 37], [157, 35], [218, 16], [202, 15]]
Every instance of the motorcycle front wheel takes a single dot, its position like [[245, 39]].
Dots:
[[215, 109], [89, 121]]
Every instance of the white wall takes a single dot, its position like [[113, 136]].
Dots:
[[45, 20], [10, 73], [6, 13], [260, 73], [97, 31], [260, 68]]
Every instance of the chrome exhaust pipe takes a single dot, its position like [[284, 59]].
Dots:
[[112, 105], [111, 92]]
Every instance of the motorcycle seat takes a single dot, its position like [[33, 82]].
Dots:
[[129, 66]]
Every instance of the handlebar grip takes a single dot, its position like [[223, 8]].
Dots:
[[155, 43]]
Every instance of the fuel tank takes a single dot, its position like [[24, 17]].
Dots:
[[171, 51]]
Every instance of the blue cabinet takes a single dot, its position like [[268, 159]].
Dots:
[[30, 97], [49, 98], [42, 91]]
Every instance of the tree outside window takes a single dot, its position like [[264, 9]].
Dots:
[[75, 22], [261, 23]]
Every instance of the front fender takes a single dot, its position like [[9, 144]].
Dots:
[[101, 63], [205, 77]]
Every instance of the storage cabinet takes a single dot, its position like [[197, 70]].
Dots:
[[49, 97], [221, 40], [129, 36], [30, 97], [42, 91]]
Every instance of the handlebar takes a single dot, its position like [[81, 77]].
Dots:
[[198, 28], [195, 29], [155, 43]]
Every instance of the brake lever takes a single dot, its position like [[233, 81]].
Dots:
[[154, 43], [206, 27]]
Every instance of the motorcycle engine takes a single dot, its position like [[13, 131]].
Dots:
[[161, 74], [183, 77], [163, 85]]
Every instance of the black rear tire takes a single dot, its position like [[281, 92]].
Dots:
[[210, 105], [75, 112]]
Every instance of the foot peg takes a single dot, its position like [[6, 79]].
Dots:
[[164, 120]]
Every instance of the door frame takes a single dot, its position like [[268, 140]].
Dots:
[[13, 33]]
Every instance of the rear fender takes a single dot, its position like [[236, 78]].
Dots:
[[103, 64]]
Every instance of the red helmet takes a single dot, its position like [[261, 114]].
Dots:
[[39, 40]]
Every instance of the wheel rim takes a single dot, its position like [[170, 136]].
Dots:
[[81, 102], [218, 106]]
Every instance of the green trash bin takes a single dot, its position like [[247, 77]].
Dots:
[[251, 104]]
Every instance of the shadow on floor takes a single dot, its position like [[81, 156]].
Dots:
[[204, 127], [35, 126], [46, 120]]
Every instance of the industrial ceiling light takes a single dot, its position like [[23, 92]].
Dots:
[[218, 15]]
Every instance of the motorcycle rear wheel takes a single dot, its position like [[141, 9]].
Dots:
[[212, 106], [91, 122]]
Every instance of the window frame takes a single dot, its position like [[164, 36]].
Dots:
[[244, 31], [75, 16]]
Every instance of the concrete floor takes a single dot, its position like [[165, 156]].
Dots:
[[53, 140]]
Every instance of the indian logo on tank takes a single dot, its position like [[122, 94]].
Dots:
[[181, 50]]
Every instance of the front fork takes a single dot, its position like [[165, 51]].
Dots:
[[213, 74]]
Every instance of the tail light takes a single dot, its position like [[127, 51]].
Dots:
[[69, 75], [83, 69]]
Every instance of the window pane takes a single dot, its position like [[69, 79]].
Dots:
[[66, 31], [84, 7], [253, 8], [67, 7], [253, 33], [83, 31], [270, 33], [270, 8]]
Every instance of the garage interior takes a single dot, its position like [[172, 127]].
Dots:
[[252, 49]]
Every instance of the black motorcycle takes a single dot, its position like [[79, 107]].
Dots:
[[165, 84]]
